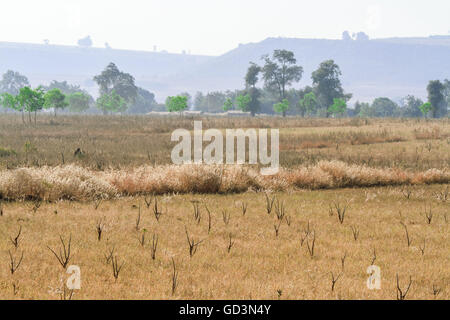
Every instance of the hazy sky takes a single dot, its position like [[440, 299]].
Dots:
[[214, 26]]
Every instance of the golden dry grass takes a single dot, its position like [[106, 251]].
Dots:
[[391, 172], [258, 264], [77, 183], [118, 142]]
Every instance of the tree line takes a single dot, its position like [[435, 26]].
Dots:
[[278, 73], [117, 94]]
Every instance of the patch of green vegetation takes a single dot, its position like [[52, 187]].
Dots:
[[6, 152]]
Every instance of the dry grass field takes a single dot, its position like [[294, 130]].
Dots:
[[141, 229]]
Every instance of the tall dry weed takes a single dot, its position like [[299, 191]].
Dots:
[[76, 183]]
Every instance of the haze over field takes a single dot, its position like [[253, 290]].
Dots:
[[225, 149], [391, 67], [399, 59]]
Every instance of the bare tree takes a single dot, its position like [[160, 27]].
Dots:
[[99, 228], [13, 263], [374, 257], [64, 255], [193, 245], [280, 210], [355, 232], [340, 210], [209, 219], [230, 243], [148, 201], [197, 214], [408, 239], [174, 277], [154, 246], [116, 268], [109, 255], [334, 280], [226, 216], [428, 215], [244, 206], [16, 240], [269, 203], [311, 245], [400, 294], [138, 218], [157, 212]]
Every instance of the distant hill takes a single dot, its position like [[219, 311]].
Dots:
[[391, 67], [43, 63]]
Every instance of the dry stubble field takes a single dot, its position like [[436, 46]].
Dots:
[[392, 177]]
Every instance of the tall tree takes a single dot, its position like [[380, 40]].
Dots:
[[411, 107], [447, 93], [327, 85], [383, 107], [338, 107], [112, 79], [435, 90], [281, 71], [252, 75], [251, 79], [55, 99], [243, 101], [31, 100], [144, 102], [281, 107], [12, 82], [111, 102], [78, 101], [308, 104]]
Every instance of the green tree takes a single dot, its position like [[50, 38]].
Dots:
[[111, 102], [308, 105], [188, 97], [10, 101], [31, 101], [228, 105], [243, 102], [280, 72], [78, 101], [176, 104], [426, 108], [338, 107], [112, 79], [435, 90], [281, 107], [327, 85], [55, 99]]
